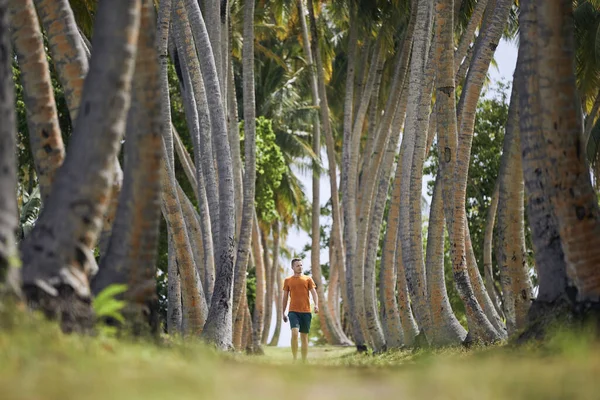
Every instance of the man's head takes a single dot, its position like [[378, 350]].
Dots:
[[297, 265]]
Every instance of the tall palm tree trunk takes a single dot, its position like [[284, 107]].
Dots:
[[42, 118], [576, 203], [174, 311], [249, 177], [416, 118], [488, 267], [57, 257], [479, 324], [269, 286], [66, 48], [511, 255], [131, 255], [548, 251], [348, 185], [9, 258], [218, 329], [259, 302]]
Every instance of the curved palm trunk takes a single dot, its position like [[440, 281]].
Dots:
[[9, 257], [331, 330], [66, 48], [467, 36], [249, 177], [576, 203], [259, 302], [269, 287], [239, 323], [131, 255], [488, 267], [479, 325], [446, 330], [510, 253], [42, 119], [203, 155], [194, 307], [204, 148], [186, 161], [421, 72], [348, 186], [174, 311], [549, 256], [218, 329], [57, 257]]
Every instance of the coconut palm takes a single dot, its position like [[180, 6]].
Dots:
[[8, 174], [42, 119], [57, 257], [131, 255]]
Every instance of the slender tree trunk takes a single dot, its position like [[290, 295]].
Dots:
[[174, 312], [416, 123], [479, 325], [549, 256], [186, 161], [576, 203], [446, 330], [467, 36], [9, 257], [239, 323], [131, 255], [42, 119], [194, 308], [57, 257], [218, 329], [510, 253], [488, 267], [195, 90], [66, 48], [259, 302], [348, 186], [249, 178], [277, 284], [269, 286]]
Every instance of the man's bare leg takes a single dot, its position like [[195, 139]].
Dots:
[[304, 349], [295, 342]]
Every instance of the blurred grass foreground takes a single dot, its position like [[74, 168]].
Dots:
[[37, 361]]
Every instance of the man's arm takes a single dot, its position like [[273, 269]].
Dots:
[[315, 299], [286, 294]]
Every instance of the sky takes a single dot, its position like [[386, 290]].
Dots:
[[506, 58]]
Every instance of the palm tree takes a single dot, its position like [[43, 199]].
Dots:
[[576, 204], [9, 260], [42, 119], [57, 257], [549, 256], [218, 327], [131, 254], [517, 289], [66, 48]]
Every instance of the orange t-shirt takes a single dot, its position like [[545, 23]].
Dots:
[[299, 287]]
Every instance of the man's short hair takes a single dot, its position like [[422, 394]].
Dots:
[[295, 260]]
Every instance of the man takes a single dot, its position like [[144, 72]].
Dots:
[[297, 288]]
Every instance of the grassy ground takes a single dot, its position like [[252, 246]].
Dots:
[[38, 362]]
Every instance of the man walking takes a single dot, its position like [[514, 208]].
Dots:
[[297, 288]]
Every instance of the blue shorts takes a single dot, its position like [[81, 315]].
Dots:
[[300, 320]]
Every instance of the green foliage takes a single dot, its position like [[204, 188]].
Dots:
[[31, 206], [270, 167], [107, 306]]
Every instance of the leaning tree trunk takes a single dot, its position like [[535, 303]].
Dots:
[[174, 306], [269, 286], [488, 267], [549, 256], [57, 257], [66, 48], [571, 191], [249, 178], [218, 329], [479, 324], [131, 255], [9, 258], [510, 253], [42, 118]]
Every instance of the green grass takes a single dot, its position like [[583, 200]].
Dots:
[[38, 362]]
